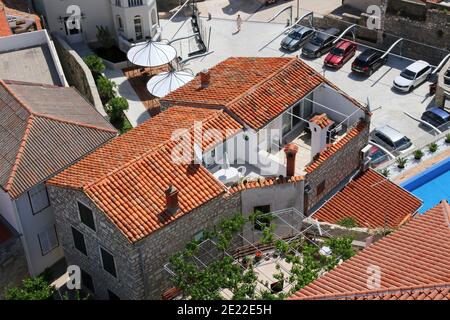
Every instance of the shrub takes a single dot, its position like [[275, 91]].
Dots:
[[32, 289], [348, 222], [418, 154], [104, 37], [433, 147], [116, 106], [106, 88], [95, 64], [447, 138], [401, 162]]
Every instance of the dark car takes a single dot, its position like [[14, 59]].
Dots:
[[297, 38], [368, 62], [377, 156], [343, 51], [436, 116], [320, 44]]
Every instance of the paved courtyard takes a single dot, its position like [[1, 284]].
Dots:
[[262, 39]]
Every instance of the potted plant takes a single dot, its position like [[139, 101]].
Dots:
[[433, 147], [258, 256], [246, 261], [447, 138], [418, 154], [401, 162], [385, 172]]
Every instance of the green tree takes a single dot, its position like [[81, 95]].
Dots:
[[106, 88], [32, 289], [95, 64], [115, 107], [104, 37]]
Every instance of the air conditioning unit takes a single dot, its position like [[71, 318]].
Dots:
[[365, 151]]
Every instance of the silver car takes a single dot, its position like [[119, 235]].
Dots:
[[297, 38], [392, 139], [414, 75]]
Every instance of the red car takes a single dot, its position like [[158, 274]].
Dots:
[[340, 54]]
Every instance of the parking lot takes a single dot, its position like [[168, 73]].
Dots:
[[263, 39]]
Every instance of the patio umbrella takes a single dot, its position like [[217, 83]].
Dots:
[[164, 83], [151, 54]]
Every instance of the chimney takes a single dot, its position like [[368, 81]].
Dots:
[[319, 126], [172, 200], [205, 78], [291, 151]]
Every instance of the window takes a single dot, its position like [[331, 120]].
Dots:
[[263, 218], [321, 188], [87, 281], [48, 240], [86, 216], [118, 4], [138, 27], [38, 198], [287, 125], [119, 22], [108, 262], [78, 241], [135, 3], [112, 295]]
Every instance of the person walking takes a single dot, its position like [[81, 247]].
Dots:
[[238, 23]]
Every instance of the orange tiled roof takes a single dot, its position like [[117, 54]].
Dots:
[[372, 200], [264, 182], [322, 120], [5, 30], [418, 254], [333, 148], [127, 177], [256, 90]]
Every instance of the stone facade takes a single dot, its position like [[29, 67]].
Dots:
[[139, 266], [13, 264], [78, 74], [334, 170]]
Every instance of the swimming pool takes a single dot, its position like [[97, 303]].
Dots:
[[431, 186]]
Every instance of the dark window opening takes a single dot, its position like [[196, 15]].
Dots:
[[108, 262], [86, 216], [112, 295], [78, 240], [87, 281]]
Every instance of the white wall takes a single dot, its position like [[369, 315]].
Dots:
[[96, 12], [7, 210], [329, 98], [32, 225]]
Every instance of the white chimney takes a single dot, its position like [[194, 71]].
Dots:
[[319, 126]]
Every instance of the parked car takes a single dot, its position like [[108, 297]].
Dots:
[[414, 75], [320, 44], [436, 116], [343, 51], [447, 77], [297, 38], [377, 156], [368, 62], [392, 139]]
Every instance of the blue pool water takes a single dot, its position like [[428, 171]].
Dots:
[[431, 186]]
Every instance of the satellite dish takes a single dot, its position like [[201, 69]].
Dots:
[[151, 54]]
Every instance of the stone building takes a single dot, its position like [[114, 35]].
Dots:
[[249, 134]]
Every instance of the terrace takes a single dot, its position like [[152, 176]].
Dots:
[[322, 118]]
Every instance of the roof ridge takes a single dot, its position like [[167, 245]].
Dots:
[[142, 156], [20, 152], [40, 115], [22, 103], [33, 84], [379, 291], [290, 62]]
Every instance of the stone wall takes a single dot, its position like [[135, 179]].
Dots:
[[335, 169], [361, 5], [140, 267], [13, 264], [78, 74]]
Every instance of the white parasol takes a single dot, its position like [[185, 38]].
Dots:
[[151, 54], [164, 83]]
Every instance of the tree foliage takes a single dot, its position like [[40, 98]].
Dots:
[[95, 64], [106, 88], [32, 289], [104, 37]]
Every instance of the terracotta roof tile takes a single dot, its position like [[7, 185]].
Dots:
[[37, 142], [256, 90], [127, 177], [372, 200], [418, 254], [5, 30], [321, 120], [264, 182]]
